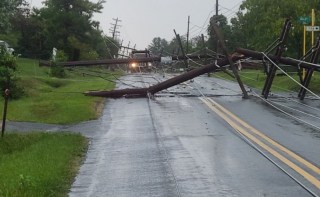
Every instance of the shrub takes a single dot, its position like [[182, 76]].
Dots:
[[56, 70], [9, 69]]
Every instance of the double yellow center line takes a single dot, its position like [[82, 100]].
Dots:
[[234, 121]]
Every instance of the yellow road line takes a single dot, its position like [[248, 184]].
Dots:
[[284, 149], [305, 174]]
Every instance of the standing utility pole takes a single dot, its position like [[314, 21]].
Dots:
[[216, 19], [181, 47], [114, 29], [188, 35], [128, 49]]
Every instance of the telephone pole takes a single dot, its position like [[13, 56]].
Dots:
[[113, 30], [216, 19], [188, 35]]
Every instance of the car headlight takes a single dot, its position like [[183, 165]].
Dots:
[[133, 65]]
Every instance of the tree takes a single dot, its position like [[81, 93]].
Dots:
[[263, 20], [67, 19], [7, 9], [157, 45], [225, 31], [112, 47]]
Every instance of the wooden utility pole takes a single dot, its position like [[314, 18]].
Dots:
[[115, 26], [181, 47], [204, 51], [188, 35], [128, 49], [224, 49], [217, 12]]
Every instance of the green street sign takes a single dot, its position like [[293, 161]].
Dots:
[[304, 19]]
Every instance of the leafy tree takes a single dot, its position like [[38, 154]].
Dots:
[[111, 46], [157, 44], [263, 20], [69, 18], [195, 45], [32, 30], [225, 31], [7, 9]]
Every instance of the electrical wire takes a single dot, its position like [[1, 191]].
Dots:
[[264, 154], [290, 76], [313, 116], [280, 96], [297, 102], [286, 113]]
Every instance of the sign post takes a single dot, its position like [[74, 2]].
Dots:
[[304, 21], [5, 111]]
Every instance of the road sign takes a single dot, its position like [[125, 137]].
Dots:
[[313, 28], [304, 19]]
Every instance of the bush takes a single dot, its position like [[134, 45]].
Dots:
[[9, 69], [56, 70]]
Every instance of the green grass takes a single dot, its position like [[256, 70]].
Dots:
[[256, 79], [58, 101], [39, 164]]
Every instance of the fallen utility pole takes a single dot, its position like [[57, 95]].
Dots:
[[163, 85], [280, 48], [282, 60], [223, 46], [119, 61], [309, 72]]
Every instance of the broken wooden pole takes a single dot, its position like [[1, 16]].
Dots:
[[283, 60], [223, 46], [142, 92], [163, 85], [307, 79], [118, 61], [189, 75], [280, 49]]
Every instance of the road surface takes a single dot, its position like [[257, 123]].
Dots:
[[199, 139]]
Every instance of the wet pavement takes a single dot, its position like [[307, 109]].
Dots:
[[178, 145]]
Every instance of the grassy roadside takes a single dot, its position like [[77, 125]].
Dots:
[[39, 164], [256, 79], [59, 101]]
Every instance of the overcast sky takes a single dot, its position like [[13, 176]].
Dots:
[[142, 20]]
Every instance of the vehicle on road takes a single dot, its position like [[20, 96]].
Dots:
[[7, 47], [137, 66]]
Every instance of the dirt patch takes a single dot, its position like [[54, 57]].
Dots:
[[99, 104]]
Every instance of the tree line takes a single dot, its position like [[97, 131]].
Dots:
[[64, 24], [256, 25]]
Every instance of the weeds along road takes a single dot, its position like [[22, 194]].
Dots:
[[199, 139]]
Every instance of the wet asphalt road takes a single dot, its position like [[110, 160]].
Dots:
[[179, 145]]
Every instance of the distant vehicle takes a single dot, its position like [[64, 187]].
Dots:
[[189, 69], [142, 66], [7, 47]]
